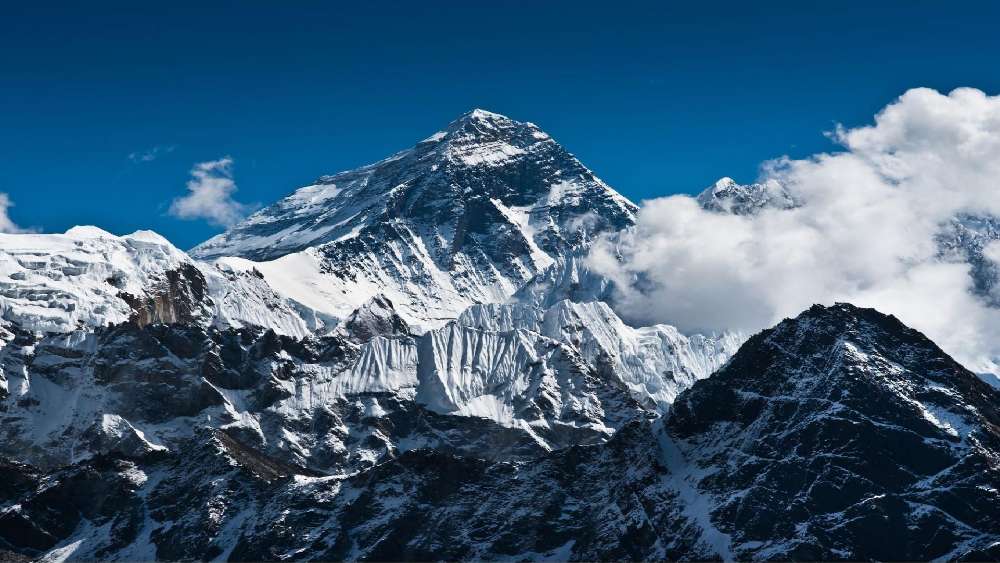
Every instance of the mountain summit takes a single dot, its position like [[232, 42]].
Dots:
[[466, 216], [451, 177]]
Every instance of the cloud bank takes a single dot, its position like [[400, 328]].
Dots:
[[210, 196], [864, 232]]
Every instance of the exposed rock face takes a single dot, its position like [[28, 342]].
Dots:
[[840, 434], [375, 318], [179, 298]]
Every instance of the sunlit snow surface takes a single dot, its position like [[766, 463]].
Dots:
[[58, 283]]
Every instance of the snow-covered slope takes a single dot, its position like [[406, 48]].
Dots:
[[500, 357], [466, 216], [88, 278]]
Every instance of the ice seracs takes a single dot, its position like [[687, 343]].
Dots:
[[522, 365]]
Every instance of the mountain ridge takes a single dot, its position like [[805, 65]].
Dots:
[[722, 476], [412, 360]]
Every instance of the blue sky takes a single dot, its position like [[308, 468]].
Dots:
[[656, 98]]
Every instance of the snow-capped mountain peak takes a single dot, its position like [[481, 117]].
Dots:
[[728, 196], [468, 215], [415, 184]]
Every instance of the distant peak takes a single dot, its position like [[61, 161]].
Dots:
[[723, 183]]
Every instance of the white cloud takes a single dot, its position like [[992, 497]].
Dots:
[[211, 190], [7, 225], [152, 154], [863, 234]]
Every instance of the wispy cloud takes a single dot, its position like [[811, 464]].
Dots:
[[210, 196], [7, 225], [152, 154]]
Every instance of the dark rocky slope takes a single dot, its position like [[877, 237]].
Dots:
[[841, 434]]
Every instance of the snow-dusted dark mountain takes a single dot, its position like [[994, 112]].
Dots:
[[840, 434], [466, 216], [412, 361]]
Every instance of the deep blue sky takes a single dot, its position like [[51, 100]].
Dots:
[[656, 98]]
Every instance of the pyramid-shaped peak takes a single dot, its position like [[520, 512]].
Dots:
[[480, 157], [483, 121], [479, 114]]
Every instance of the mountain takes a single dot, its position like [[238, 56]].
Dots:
[[843, 434], [110, 339], [88, 278], [466, 216], [572, 373], [965, 239], [840, 434], [413, 361], [727, 196]]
